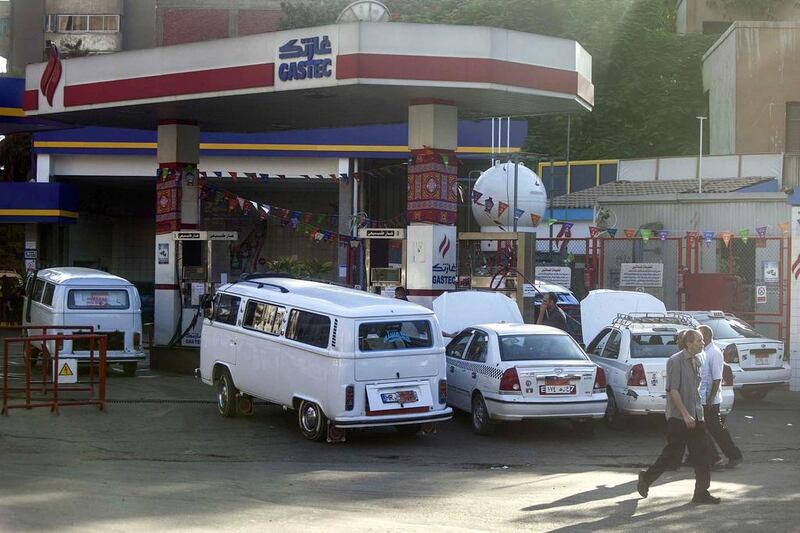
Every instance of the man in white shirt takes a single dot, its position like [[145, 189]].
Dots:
[[711, 397]]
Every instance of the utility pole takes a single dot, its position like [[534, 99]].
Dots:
[[700, 157]]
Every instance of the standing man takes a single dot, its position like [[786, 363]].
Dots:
[[400, 293], [685, 424], [712, 396], [550, 314]]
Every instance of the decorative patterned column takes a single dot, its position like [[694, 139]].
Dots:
[[432, 200], [176, 209]]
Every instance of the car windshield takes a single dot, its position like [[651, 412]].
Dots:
[[539, 348], [654, 345], [731, 328]]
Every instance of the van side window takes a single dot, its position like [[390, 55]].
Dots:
[[226, 308], [47, 298], [38, 290], [309, 328], [263, 317]]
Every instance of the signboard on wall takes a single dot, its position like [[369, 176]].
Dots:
[[761, 294], [641, 275], [305, 61], [770, 271], [557, 275]]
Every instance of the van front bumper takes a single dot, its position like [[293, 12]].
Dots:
[[440, 415]]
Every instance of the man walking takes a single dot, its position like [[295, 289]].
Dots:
[[685, 426], [550, 314], [711, 396]]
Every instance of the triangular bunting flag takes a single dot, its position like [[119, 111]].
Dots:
[[488, 205], [629, 233], [501, 208], [726, 237], [535, 219], [663, 234], [743, 234], [593, 231], [612, 232], [645, 233]]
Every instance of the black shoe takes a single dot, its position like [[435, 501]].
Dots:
[[733, 463], [643, 486], [706, 499]]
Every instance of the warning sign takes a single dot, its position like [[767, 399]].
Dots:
[[761, 294], [67, 371]]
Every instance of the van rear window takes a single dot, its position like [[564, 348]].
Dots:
[[654, 345], [394, 335], [97, 299]]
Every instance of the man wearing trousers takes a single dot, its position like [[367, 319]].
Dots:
[[711, 396], [685, 426]]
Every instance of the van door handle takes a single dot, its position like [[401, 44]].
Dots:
[[233, 343], [474, 375]]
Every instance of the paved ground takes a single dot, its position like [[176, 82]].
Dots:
[[161, 458]]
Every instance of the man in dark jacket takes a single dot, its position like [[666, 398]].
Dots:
[[550, 314]]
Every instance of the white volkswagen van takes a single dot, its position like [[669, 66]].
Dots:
[[341, 358], [73, 296]]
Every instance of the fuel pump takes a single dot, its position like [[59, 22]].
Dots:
[[384, 258], [193, 264]]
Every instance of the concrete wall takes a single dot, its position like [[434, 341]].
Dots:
[[750, 115], [27, 34], [719, 80], [692, 13]]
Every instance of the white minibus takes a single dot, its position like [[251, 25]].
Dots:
[[341, 358], [75, 296]]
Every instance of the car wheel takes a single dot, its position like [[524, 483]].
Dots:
[[754, 393], [614, 419], [583, 426], [312, 421], [481, 423], [129, 369], [226, 395]]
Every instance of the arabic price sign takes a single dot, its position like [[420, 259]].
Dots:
[[641, 275]]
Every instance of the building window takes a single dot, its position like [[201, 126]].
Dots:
[[3, 26], [793, 127], [81, 23]]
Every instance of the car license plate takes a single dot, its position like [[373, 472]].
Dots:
[[556, 389], [403, 396], [762, 359]]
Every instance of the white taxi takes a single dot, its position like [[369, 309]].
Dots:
[[510, 371], [633, 350], [758, 362]]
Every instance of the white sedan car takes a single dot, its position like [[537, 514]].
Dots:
[[758, 362], [513, 371]]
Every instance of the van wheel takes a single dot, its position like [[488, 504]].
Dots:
[[226, 394], [129, 369], [481, 423], [312, 421], [614, 419]]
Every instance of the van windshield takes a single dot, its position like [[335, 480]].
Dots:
[[98, 299], [394, 335]]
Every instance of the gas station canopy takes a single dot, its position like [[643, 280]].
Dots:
[[328, 76]]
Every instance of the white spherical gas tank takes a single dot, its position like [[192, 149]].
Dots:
[[496, 185]]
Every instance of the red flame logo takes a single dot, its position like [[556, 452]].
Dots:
[[444, 246], [51, 75]]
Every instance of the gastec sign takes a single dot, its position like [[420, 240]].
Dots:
[[310, 67]]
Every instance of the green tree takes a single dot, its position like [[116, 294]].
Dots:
[[647, 78]]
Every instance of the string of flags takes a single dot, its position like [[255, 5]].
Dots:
[[306, 223], [191, 173], [706, 236]]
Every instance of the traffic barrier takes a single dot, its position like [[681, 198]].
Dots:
[[48, 383]]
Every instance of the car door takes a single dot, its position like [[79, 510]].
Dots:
[[476, 354], [457, 395], [616, 371], [595, 348]]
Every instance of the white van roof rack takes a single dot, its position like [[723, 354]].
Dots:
[[258, 276], [626, 319]]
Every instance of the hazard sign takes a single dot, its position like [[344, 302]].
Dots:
[[67, 371], [761, 294]]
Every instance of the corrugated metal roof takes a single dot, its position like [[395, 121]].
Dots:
[[588, 197]]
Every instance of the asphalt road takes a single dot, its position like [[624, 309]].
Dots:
[[161, 458]]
